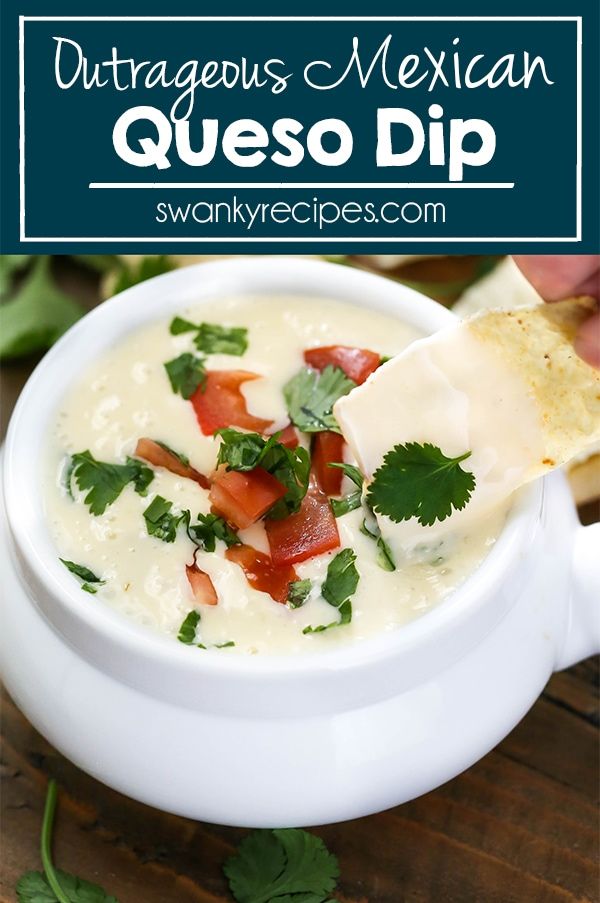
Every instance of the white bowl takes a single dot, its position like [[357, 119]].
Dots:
[[281, 741]]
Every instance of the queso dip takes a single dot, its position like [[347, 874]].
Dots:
[[243, 540]]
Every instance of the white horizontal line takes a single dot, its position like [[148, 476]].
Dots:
[[223, 239], [311, 185], [300, 18]]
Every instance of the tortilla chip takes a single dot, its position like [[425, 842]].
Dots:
[[537, 344]]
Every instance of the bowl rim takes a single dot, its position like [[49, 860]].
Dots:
[[42, 557]]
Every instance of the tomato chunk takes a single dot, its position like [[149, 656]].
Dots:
[[242, 498], [328, 447], [312, 531], [357, 363], [202, 586], [288, 436], [155, 454], [262, 573], [218, 402]]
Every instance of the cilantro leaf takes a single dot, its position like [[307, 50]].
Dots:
[[106, 481], [352, 472], [339, 584], [298, 592], [146, 268], [342, 578], [242, 451], [187, 629], [37, 314], [354, 499], [186, 373], [87, 577], [384, 557], [54, 885], [160, 522], [291, 466], [347, 503], [178, 326], [212, 338], [211, 527], [33, 887], [310, 396], [283, 864], [420, 481]]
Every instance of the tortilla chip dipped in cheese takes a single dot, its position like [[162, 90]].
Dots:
[[447, 430]]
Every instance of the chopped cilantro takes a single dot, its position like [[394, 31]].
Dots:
[[186, 373], [291, 466], [89, 581], [384, 557], [420, 481], [339, 584], [212, 338], [354, 499], [106, 481], [159, 520], [211, 527], [352, 472], [310, 396], [298, 592], [187, 630], [281, 866], [348, 503], [342, 578]]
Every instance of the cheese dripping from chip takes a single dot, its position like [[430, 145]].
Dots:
[[505, 385]]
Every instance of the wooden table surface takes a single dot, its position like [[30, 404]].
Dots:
[[520, 826]]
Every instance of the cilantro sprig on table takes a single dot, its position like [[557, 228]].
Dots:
[[282, 866], [211, 338], [291, 466], [310, 396], [420, 481], [285, 865], [105, 481]]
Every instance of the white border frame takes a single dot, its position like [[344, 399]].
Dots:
[[278, 239]]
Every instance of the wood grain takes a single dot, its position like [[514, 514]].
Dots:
[[520, 826]]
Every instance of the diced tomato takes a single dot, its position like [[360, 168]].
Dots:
[[261, 572], [219, 403], [202, 586], [242, 498], [288, 436], [357, 363], [312, 531], [328, 447], [155, 454]]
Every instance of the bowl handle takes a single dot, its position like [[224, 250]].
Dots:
[[582, 636]]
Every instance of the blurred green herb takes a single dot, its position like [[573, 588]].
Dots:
[[37, 313]]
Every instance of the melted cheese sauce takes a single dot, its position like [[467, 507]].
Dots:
[[126, 395]]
